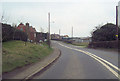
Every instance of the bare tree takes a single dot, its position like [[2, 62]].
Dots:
[[4, 17]]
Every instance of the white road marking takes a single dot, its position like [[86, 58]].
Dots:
[[99, 59], [114, 72], [107, 62]]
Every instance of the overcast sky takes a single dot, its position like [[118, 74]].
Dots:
[[83, 15]]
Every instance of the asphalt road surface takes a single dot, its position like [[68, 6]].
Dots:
[[82, 63]]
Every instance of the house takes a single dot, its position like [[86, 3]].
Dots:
[[41, 37], [29, 30], [55, 36], [21, 27], [65, 36]]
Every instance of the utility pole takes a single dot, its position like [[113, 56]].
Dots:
[[49, 29], [41, 29], [117, 23], [59, 34], [59, 31], [72, 32]]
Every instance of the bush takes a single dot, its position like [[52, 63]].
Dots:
[[11, 33], [105, 36], [106, 32]]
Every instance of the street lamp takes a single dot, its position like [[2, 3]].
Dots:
[[49, 29]]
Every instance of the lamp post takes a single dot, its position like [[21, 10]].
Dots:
[[48, 36], [72, 33], [59, 34], [49, 29]]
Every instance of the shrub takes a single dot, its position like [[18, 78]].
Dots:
[[11, 33]]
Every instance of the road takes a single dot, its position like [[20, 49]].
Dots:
[[78, 63]]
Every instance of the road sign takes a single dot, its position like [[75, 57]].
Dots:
[[116, 35]]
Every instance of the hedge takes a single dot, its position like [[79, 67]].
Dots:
[[105, 44], [12, 33]]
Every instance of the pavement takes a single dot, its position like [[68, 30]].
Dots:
[[82, 63], [28, 71]]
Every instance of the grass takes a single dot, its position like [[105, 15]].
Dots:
[[15, 54], [82, 44]]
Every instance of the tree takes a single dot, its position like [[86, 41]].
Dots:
[[4, 17], [106, 32], [11, 33]]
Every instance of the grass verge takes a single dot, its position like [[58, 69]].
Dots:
[[83, 44], [15, 54]]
